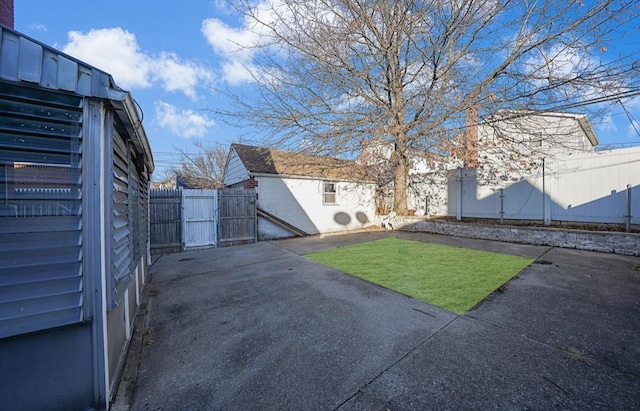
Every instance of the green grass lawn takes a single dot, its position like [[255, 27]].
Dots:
[[452, 278]]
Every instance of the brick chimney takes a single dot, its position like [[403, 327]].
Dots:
[[471, 139], [6, 13]]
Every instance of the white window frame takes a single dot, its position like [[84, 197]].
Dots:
[[535, 141], [326, 192]]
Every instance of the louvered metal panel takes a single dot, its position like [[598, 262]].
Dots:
[[121, 228], [134, 210], [41, 279], [144, 215]]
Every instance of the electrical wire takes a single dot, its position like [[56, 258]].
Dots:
[[630, 117]]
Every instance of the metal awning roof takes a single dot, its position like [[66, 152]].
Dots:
[[25, 60]]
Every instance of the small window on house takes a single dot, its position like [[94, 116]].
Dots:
[[535, 141], [329, 195]]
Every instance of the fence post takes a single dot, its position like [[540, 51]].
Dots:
[[546, 205], [459, 208], [628, 216], [502, 206]]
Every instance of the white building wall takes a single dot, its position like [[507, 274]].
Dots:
[[515, 147], [300, 203], [428, 193]]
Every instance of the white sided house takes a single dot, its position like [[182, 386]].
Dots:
[[300, 194], [539, 167], [512, 143], [507, 147]]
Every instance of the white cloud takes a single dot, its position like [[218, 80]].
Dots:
[[607, 125], [228, 42], [117, 52], [561, 65], [183, 123], [177, 75], [633, 129], [38, 27], [632, 103], [235, 45]]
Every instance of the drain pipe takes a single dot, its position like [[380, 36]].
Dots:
[[544, 194], [460, 191], [502, 206], [628, 216]]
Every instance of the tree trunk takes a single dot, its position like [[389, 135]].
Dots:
[[400, 185]]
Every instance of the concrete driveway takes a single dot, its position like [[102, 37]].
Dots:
[[258, 327]]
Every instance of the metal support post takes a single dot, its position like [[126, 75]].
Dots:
[[628, 216], [502, 206]]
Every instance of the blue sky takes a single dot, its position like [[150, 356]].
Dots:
[[172, 54], [160, 51]]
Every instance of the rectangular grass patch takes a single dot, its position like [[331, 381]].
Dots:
[[452, 278]]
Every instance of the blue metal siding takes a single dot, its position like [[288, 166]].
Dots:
[[25, 59], [121, 229], [49, 370], [134, 211], [41, 282]]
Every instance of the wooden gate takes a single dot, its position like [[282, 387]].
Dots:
[[199, 209], [165, 221], [237, 216]]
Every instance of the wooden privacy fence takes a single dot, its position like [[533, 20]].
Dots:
[[165, 221], [194, 219], [237, 216]]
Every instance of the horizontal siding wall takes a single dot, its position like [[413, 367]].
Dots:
[[235, 171], [41, 278]]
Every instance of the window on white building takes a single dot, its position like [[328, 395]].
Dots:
[[535, 141], [329, 194]]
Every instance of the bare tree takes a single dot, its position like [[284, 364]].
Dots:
[[332, 75], [204, 168]]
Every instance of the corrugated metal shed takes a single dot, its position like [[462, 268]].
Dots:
[[75, 164], [25, 59]]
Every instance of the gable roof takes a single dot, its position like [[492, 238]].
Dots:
[[261, 160], [581, 118]]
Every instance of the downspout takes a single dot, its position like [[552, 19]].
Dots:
[[460, 191], [628, 216], [544, 195]]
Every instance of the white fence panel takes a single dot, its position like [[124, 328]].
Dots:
[[587, 188], [199, 218], [593, 188]]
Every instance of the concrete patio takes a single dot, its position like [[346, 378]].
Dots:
[[259, 327]]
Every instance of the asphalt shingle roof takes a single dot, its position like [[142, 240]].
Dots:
[[272, 161]]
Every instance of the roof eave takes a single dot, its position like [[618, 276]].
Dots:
[[585, 124], [127, 112], [301, 177]]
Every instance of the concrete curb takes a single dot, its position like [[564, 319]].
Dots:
[[606, 242]]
